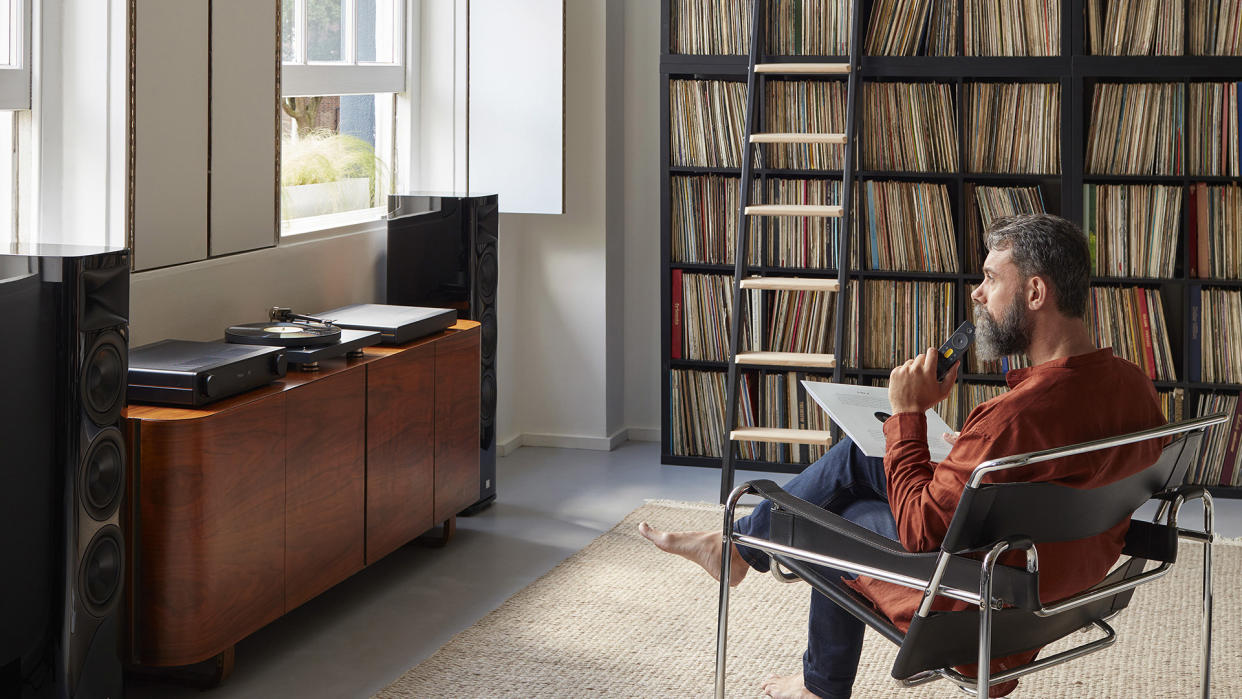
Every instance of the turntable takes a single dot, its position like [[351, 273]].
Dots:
[[307, 340]]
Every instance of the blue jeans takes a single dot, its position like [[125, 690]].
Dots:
[[846, 482]]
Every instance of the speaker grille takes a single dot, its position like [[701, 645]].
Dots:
[[102, 474], [99, 573], [104, 378]]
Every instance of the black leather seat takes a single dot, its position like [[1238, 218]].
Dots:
[[992, 519]]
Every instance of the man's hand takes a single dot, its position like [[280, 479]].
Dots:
[[912, 387]]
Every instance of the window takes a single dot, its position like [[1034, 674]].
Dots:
[[342, 65], [15, 20]]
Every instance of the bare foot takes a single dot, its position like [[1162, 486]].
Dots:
[[787, 687], [699, 547]]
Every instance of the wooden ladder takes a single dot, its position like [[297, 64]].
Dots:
[[743, 282]]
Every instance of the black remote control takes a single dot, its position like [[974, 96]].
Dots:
[[950, 353]]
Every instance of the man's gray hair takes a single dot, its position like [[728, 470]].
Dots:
[[1049, 247]]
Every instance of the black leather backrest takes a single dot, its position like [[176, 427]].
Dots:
[[1050, 512]]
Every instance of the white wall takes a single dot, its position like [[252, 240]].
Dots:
[[641, 128], [198, 301], [578, 356]]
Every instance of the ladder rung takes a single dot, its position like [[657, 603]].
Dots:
[[832, 138], [781, 434], [793, 210], [791, 284], [794, 359], [814, 68]]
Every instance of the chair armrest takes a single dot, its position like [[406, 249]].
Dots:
[[803, 525]]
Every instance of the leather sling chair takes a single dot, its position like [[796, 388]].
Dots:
[[1007, 616]]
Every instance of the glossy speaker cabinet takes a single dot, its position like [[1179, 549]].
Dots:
[[63, 366], [247, 508], [442, 252]]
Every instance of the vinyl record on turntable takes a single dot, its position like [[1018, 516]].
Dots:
[[283, 334]]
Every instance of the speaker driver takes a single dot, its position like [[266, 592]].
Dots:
[[103, 379], [487, 349], [487, 276], [99, 576], [487, 408], [102, 474]]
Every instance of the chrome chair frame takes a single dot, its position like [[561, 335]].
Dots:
[[983, 598]]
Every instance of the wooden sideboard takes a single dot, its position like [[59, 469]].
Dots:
[[249, 507]]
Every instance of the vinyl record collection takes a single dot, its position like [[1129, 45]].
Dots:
[[1133, 228], [706, 122], [1136, 129], [904, 318], [985, 204], [1219, 457], [808, 27], [912, 28], [909, 126], [1131, 321], [802, 106], [1217, 348], [1013, 27], [1212, 138], [710, 27], [801, 242], [1014, 127], [697, 411], [1152, 172], [909, 226], [1136, 27], [1213, 27], [1215, 231], [704, 220]]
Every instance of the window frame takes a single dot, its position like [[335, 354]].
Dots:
[[304, 78], [15, 77]]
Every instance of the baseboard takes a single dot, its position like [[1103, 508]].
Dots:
[[569, 441], [508, 446], [644, 434]]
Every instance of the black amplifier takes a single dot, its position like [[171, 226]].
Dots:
[[192, 374]]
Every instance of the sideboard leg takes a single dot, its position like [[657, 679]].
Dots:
[[434, 539]]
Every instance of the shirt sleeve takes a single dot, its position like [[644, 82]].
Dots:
[[924, 494]]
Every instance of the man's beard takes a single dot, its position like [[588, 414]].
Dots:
[[1009, 336]]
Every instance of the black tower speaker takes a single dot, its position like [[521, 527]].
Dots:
[[442, 253], [62, 474]]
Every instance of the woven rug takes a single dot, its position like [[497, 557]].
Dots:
[[622, 619]]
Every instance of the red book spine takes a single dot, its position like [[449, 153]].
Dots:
[[1149, 353], [675, 340], [1205, 257], [1231, 446]]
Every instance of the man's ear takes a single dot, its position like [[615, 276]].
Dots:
[[1038, 293]]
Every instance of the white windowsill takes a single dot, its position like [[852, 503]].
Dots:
[[332, 224]]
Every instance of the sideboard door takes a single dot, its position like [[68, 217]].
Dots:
[[400, 448], [325, 475]]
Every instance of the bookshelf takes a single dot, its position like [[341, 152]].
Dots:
[[1066, 85]]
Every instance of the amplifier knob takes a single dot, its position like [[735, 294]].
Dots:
[[205, 385]]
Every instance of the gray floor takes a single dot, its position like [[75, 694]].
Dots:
[[364, 633]]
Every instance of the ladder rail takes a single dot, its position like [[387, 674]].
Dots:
[[741, 256], [741, 249]]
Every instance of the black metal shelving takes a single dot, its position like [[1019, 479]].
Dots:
[[1078, 73]]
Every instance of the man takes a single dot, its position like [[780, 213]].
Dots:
[[1032, 300]]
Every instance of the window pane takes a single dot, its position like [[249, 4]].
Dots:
[[288, 30], [376, 22], [325, 37], [8, 22], [333, 158]]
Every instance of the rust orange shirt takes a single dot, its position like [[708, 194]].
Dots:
[[1057, 403]]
